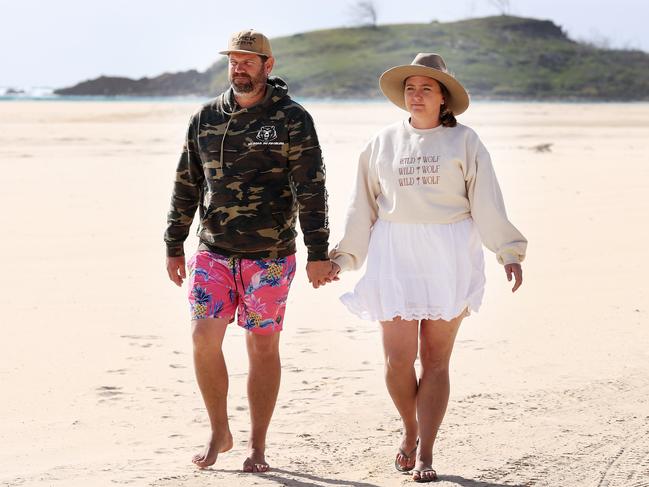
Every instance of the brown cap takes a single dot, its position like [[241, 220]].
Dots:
[[424, 64], [249, 41]]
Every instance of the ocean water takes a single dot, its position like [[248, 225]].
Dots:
[[18, 97], [47, 94], [42, 93]]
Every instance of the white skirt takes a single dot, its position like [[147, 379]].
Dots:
[[420, 271]]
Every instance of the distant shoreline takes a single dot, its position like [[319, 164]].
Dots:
[[343, 101]]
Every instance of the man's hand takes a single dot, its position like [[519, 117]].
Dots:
[[517, 270], [176, 269], [320, 272]]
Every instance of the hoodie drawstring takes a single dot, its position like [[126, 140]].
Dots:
[[241, 293], [221, 167], [221, 163]]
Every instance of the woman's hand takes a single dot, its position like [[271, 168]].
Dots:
[[335, 269], [517, 270]]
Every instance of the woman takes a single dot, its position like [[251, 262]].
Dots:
[[426, 196]]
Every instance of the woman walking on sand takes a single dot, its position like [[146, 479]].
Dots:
[[426, 196]]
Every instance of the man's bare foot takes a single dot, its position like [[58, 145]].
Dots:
[[256, 462], [216, 445]]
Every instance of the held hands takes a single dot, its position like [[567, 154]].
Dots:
[[321, 272], [517, 271], [176, 269]]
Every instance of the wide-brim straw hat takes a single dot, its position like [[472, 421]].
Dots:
[[425, 64]]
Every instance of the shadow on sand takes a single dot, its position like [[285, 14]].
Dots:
[[457, 480], [300, 479], [289, 478]]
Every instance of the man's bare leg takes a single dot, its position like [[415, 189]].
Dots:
[[212, 378], [263, 386]]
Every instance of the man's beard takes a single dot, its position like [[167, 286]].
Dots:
[[249, 85]]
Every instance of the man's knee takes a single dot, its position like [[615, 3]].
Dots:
[[263, 347], [207, 334]]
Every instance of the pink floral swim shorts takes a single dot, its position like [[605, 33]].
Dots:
[[256, 289]]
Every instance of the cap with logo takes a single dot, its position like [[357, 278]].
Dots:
[[249, 42]]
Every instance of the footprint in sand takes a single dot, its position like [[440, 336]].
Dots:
[[117, 371], [140, 337], [306, 331], [137, 359], [111, 392]]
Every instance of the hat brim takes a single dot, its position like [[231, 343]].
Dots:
[[392, 85], [242, 51]]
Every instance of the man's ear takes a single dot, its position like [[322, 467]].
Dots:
[[268, 65]]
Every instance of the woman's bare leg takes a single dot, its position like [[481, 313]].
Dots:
[[436, 341], [400, 348]]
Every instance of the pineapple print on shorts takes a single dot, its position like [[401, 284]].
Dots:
[[273, 271], [254, 313], [201, 302], [201, 305]]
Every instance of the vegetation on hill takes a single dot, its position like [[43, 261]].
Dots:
[[501, 57]]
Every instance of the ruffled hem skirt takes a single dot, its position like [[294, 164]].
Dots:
[[420, 271]]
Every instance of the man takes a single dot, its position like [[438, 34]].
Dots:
[[251, 160]]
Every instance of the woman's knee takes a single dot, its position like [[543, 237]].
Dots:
[[433, 363], [400, 361]]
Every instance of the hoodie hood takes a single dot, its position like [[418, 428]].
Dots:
[[276, 90]]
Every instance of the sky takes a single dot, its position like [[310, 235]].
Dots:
[[59, 43]]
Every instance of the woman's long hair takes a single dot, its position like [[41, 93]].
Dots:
[[446, 117]]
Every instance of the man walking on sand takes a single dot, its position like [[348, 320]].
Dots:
[[251, 163]]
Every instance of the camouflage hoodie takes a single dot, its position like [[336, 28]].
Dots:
[[249, 171]]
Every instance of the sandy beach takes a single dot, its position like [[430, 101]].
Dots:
[[549, 387]]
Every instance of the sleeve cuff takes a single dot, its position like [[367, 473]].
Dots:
[[510, 258], [344, 261], [317, 255], [175, 251]]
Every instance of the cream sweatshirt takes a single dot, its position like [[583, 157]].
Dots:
[[438, 175]]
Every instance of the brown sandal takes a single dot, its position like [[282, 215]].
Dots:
[[421, 479], [407, 456]]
